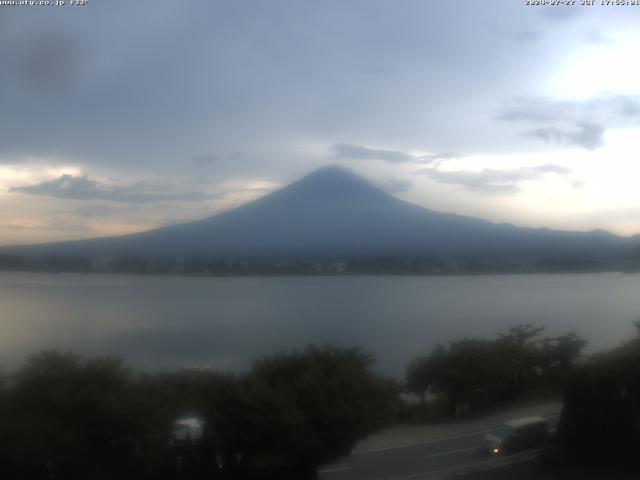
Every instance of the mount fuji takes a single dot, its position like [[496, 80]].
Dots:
[[334, 212]]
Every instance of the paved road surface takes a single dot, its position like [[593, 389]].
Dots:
[[431, 459]]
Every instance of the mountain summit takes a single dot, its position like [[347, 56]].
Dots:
[[333, 182], [334, 212]]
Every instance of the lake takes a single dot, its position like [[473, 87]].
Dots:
[[172, 321]]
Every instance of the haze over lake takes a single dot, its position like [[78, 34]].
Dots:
[[171, 321]]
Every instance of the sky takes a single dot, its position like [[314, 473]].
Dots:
[[120, 116]]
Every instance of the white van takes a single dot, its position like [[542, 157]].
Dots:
[[515, 435]]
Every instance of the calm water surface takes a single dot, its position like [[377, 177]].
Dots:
[[158, 322]]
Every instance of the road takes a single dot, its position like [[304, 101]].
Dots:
[[429, 460]]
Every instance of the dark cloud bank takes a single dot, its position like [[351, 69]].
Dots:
[[83, 188]]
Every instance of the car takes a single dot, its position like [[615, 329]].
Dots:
[[516, 435]]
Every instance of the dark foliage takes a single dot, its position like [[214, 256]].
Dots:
[[600, 423], [309, 408], [65, 417], [472, 374]]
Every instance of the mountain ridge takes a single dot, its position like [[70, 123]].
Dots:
[[332, 212]]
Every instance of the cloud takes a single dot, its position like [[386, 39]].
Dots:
[[49, 58], [562, 14], [9, 159], [522, 35], [492, 180], [53, 224], [83, 188], [363, 153], [597, 38], [487, 180], [552, 168], [95, 210], [358, 152], [587, 135], [205, 160], [395, 186], [572, 122], [525, 36], [271, 81], [438, 158]]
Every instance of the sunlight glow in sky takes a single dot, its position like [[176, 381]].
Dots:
[[592, 69]]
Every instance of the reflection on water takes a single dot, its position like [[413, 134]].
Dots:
[[166, 321]]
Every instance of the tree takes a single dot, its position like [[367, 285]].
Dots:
[[70, 418], [559, 355], [600, 421], [519, 351], [473, 373], [417, 377], [303, 409], [465, 372]]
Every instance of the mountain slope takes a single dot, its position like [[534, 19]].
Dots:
[[332, 212]]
